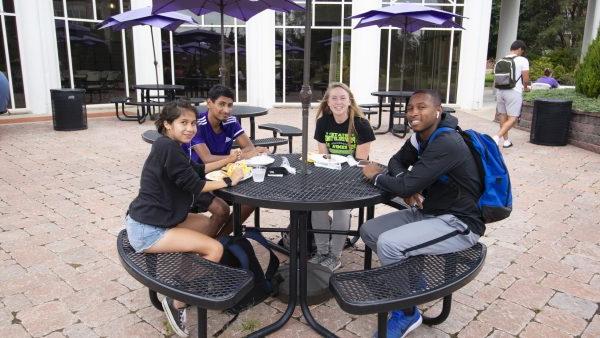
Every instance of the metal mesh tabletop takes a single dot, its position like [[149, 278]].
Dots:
[[417, 280], [322, 189], [186, 276]]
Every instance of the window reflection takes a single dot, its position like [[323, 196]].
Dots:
[[9, 6], [96, 59], [197, 57], [10, 64], [81, 9], [426, 60]]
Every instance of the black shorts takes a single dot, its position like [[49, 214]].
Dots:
[[202, 202]]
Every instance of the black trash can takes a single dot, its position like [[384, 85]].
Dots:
[[550, 122], [68, 109]]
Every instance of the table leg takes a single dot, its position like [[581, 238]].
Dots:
[[293, 278], [405, 125], [302, 231], [392, 110], [380, 101], [252, 128]]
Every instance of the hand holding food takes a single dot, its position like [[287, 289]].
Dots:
[[236, 175], [230, 168]]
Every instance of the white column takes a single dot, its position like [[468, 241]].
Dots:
[[592, 23], [473, 53], [509, 24], [364, 55], [260, 59], [142, 50], [39, 54]]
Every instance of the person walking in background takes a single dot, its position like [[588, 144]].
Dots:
[[4, 94], [509, 94], [548, 79], [342, 130]]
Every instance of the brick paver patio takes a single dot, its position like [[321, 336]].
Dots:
[[63, 196]]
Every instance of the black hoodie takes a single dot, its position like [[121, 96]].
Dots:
[[447, 155], [168, 185]]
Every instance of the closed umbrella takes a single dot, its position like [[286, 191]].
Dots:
[[240, 9], [410, 18], [144, 16]]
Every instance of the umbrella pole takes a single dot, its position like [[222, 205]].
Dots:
[[154, 54], [403, 52], [222, 67], [306, 93]]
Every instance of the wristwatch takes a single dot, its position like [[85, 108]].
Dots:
[[227, 181]]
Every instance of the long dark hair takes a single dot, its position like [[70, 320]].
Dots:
[[171, 112]]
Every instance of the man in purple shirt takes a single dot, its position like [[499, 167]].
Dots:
[[217, 130], [548, 79]]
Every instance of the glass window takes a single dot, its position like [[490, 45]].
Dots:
[[197, 57], [214, 18], [295, 18], [58, 8], [106, 8], [294, 62], [328, 15], [81, 9], [426, 60], [14, 60], [9, 6], [96, 58]]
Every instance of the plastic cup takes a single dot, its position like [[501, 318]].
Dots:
[[258, 173]]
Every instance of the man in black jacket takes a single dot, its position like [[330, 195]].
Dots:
[[440, 182]]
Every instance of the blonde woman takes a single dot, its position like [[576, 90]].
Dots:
[[341, 129]]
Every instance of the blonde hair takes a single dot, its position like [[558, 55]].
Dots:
[[353, 109]]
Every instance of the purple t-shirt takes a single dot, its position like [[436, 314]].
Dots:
[[218, 144], [548, 80]]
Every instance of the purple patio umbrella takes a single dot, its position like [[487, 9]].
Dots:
[[410, 18], [240, 9], [144, 16]]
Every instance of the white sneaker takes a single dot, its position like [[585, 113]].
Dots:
[[317, 258], [497, 139], [332, 262], [507, 144]]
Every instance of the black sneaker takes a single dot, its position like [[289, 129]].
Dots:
[[175, 316]]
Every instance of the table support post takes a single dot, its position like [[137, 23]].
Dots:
[[302, 230], [237, 219]]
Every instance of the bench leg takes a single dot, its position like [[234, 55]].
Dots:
[[368, 252], [290, 138], [382, 318], [154, 300], [446, 305], [202, 323], [257, 217]]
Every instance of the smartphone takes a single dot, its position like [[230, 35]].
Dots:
[[363, 163]]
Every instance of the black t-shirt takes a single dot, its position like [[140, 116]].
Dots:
[[335, 135]]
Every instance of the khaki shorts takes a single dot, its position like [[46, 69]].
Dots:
[[509, 102]]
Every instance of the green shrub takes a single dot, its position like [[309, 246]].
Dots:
[[559, 72], [587, 77], [580, 101]]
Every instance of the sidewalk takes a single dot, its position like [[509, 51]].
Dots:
[[63, 196]]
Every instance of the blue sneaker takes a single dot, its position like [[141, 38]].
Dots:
[[399, 324]]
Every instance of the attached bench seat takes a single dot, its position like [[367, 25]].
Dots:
[[265, 142], [150, 136], [186, 277], [283, 130], [416, 280]]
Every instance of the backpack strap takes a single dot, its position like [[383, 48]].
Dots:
[[254, 234], [432, 137]]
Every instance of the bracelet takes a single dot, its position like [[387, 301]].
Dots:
[[227, 181]]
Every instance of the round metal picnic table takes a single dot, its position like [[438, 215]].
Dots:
[[393, 95], [322, 189], [242, 111]]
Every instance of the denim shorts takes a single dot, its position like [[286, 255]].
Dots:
[[142, 236]]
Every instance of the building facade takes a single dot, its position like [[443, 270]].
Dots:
[[50, 44]]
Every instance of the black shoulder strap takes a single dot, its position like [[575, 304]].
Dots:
[[273, 260]]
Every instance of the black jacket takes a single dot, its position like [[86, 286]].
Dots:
[[447, 155], [168, 184]]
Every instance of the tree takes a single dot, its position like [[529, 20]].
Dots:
[[587, 77]]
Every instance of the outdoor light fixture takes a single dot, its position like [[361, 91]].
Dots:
[[112, 6]]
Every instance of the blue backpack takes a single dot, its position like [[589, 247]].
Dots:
[[495, 202]]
